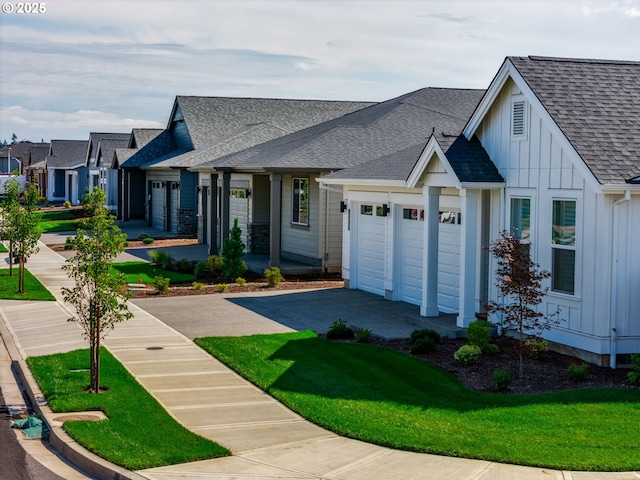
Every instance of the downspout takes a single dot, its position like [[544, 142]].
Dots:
[[613, 339]]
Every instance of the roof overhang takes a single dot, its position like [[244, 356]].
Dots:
[[621, 189], [360, 182]]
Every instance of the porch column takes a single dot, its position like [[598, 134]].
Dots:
[[429, 305], [274, 219], [224, 214], [214, 215], [468, 257]]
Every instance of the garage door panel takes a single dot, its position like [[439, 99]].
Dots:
[[371, 253], [448, 267], [157, 206]]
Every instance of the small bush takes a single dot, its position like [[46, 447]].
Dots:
[[339, 330], [273, 276], [184, 266], [222, 287], [161, 259], [161, 284], [68, 244], [197, 286], [203, 269], [142, 236], [241, 281], [578, 372], [148, 240], [423, 345], [537, 348], [478, 334], [468, 354], [424, 333], [634, 376], [363, 335], [67, 204], [502, 380]]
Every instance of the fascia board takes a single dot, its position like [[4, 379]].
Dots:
[[359, 182], [432, 148]]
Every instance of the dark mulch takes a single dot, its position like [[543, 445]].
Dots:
[[543, 375]]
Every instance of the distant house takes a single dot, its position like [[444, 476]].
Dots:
[[15, 157], [552, 153], [64, 159], [36, 170]]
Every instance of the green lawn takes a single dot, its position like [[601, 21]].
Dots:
[[147, 273], [3, 249], [34, 290], [139, 432], [58, 221], [395, 400]]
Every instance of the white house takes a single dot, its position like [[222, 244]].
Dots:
[[552, 152]]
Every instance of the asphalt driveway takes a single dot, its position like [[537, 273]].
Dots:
[[282, 311]]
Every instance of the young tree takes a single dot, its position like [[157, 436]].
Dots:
[[26, 233], [10, 214], [232, 253], [97, 296], [518, 280]]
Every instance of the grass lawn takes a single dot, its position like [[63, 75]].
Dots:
[[395, 400], [58, 222], [139, 432], [3, 249], [147, 273], [34, 290]]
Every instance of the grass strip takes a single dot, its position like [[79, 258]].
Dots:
[[3, 249], [58, 222], [383, 397], [147, 273], [138, 434], [34, 290]]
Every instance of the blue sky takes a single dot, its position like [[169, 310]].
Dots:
[[94, 65]]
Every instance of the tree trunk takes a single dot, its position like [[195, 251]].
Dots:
[[21, 274], [11, 258]]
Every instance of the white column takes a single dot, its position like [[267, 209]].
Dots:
[[468, 256], [429, 306]]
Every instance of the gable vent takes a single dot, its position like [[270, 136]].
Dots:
[[517, 119]]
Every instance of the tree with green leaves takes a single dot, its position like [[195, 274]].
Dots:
[[232, 252], [519, 281], [26, 233], [10, 211], [98, 295]]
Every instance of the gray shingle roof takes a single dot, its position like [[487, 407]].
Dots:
[[107, 148], [596, 103], [156, 150], [94, 141], [67, 154], [39, 152], [383, 141]]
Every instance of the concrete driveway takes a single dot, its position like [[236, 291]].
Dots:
[[282, 311]]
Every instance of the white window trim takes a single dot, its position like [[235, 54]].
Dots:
[[293, 203], [575, 248]]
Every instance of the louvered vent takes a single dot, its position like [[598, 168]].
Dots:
[[517, 123]]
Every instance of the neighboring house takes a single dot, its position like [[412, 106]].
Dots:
[[552, 153], [276, 189], [19, 153], [36, 170], [104, 163], [201, 129], [64, 159], [93, 173]]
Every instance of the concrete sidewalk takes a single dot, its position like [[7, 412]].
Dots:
[[268, 440]]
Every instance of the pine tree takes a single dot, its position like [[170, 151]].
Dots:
[[232, 253]]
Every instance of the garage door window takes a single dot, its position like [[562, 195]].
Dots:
[[563, 246], [454, 218], [300, 201], [413, 214]]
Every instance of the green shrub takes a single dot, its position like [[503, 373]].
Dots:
[[203, 269], [273, 276], [161, 284], [423, 333], [478, 334], [68, 244], [222, 287], [147, 240], [423, 345], [363, 335], [578, 372], [537, 348], [634, 376], [161, 259], [184, 266], [67, 204], [502, 380], [232, 252], [197, 286], [468, 354], [241, 281], [339, 330], [142, 236]]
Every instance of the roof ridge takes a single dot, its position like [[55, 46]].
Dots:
[[539, 58]]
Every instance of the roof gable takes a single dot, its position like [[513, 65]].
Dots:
[[66, 154]]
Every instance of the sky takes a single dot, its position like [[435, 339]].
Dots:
[[82, 66]]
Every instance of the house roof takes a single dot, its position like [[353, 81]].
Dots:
[[231, 124], [156, 150], [596, 104], [67, 154], [39, 152], [383, 141], [139, 138], [94, 141], [107, 147]]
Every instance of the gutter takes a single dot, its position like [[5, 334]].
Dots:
[[613, 336]]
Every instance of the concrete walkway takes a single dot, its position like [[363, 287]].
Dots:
[[268, 440]]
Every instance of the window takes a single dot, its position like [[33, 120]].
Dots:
[[518, 123], [300, 201], [238, 193], [454, 218], [563, 240], [521, 218]]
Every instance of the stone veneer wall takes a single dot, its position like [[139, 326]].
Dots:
[[259, 238], [186, 224]]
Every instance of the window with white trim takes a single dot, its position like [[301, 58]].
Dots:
[[300, 203], [563, 246], [521, 218]]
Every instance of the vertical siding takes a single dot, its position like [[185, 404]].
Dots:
[[333, 247], [188, 182], [298, 239]]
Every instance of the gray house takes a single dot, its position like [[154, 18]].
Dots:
[[64, 159]]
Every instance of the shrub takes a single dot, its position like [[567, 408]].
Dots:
[[502, 380], [142, 236], [203, 269], [634, 376], [537, 348], [478, 334], [162, 284], [197, 286], [468, 354], [232, 252], [222, 287], [68, 244], [184, 266], [147, 240], [67, 204], [241, 281], [161, 259], [273, 276], [363, 335], [578, 372], [423, 345], [339, 330], [424, 333]]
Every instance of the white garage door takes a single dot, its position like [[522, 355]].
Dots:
[[410, 256], [173, 208], [370, 249], [449, 266], [157, 205]]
